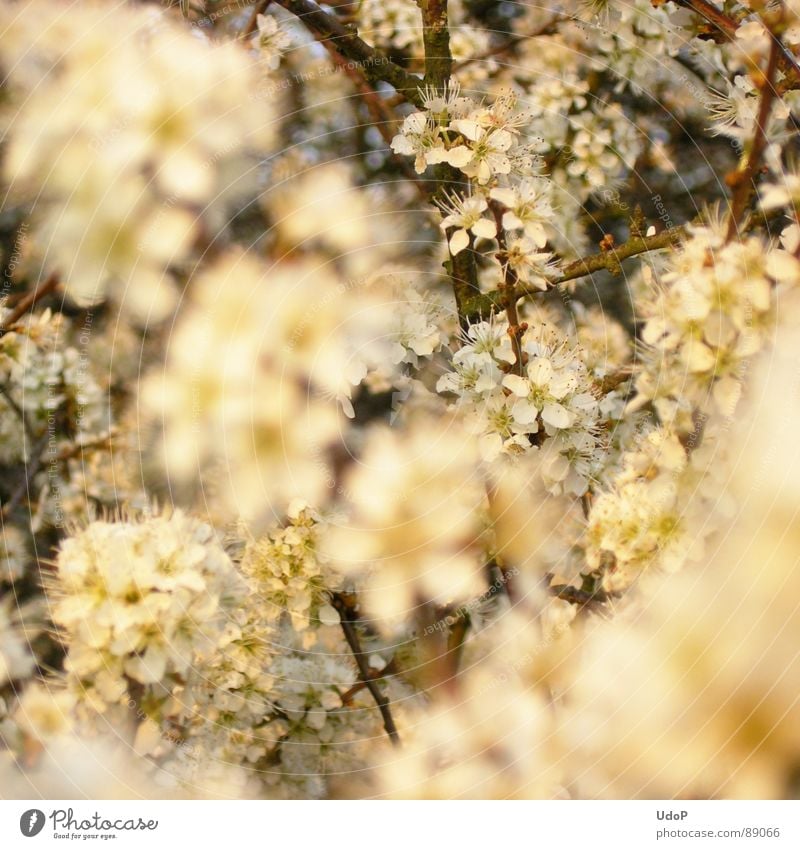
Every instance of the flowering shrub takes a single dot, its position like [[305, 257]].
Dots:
[[399, 399]]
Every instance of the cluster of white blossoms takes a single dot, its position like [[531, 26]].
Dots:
[[481, 141], [417, 498], [417, 325], [713, 310], [453, 750], [420, 488], [549, 401], [156, 117], [269, 702], [666, 721], [289, 574], [271, 40], [14, 555], [322, 736], [635, 41], [140, 601], [603, 144], [527, 213], [662, 503], [637, 523], [396, 25], [44, 378], [255, 367], [16, 658]]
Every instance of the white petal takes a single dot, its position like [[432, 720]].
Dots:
[[501, 140], [484, 228], [459, 156], [698, 357], [540, 370], [524, 411], [148, 736], [508, 197], [329, 615], [511, 221], [783, 266], [556, 415], [471, 129], [490, 445], [400, 144], [518, 385], [726, 395], [458, 241]]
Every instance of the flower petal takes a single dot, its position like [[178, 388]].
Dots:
[[518, 385], [458, 241], [556, 415]]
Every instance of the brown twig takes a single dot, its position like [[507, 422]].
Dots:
[[361, 684], [609, 260], [727, 27], [741, 181], [547, 29], [376, 66], [252, 23], [103, 442], [510, 280], [32, 468], [616, 378], [28, 302], [436, 39], [346, 607], [18, 410], [383, 117], [579, 597]]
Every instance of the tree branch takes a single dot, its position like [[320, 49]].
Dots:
[[252, 23], [741, 181], [727, 27], [462, 268], [608, 260], [347, 613], [376, 66], [31, 469], [550, 28], [383, 117], [28, 302], [509, 287], [436, 38]]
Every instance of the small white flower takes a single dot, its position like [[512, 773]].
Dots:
[[531, 266], [270, 40], [466, 215], [489, 149], [420, 137], [528, 207]]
